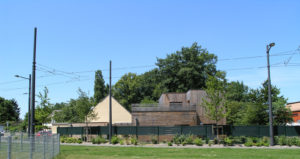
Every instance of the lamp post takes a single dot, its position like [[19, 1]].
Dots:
[[269, 96], [29, 100]]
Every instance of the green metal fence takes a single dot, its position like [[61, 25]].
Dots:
[[205, 130]]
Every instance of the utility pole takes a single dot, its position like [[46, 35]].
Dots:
[[33, 85], [110, 109], [29, 103], [269, 96]]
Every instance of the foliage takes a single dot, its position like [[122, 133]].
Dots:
[[154, 139], [187, 69], [127, 90], [134, 141], [228, 141], [115, 140], [99, 140], [198, 142], [77, 110], [64, 139], [170, 143], [9, 110], [99, 87], [214, 104]]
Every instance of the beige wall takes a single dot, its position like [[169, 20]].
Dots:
[[119, 113]]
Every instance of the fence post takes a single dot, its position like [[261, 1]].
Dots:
[[158, 134], [0, 143], [31, 146], [44, 146], [58, 140], [52, 146], [21, 142], [9, 148]]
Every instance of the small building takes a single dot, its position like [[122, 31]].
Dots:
[[101, 111], [174, 109], [120, 116], [295, 108]]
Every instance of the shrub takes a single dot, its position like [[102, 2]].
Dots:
[[134, 141], [184, 143], [298, 142], [228, 141], [210, 142], [79, 141], [170, 144], [114, 140], [189, 139], [154, 140], [249, 142], [294, 140], [178, 139], [122, 142], [98, 140], [282, 140], [198, 142]]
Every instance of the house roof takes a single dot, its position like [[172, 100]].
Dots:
[[101, 111], [295, 106]]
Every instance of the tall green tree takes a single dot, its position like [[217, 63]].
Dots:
[[214, 104], [187, 69], [128, 90], [9, 110], [99, 87], [44, 108]]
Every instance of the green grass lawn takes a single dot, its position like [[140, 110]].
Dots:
[[95, 152]]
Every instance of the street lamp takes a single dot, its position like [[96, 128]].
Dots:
[[269, 96], [29, 101]]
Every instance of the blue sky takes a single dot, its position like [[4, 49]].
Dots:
[[75, 36]]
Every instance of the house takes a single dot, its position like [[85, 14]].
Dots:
[[101, 111], [295, 108], [174, 109], [120, 116]]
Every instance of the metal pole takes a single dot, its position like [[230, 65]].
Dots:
[[44, 146], [110, 111], [270, 99], [9, 148], [21, 142], [29, 103], [33, 85], [31, 147]]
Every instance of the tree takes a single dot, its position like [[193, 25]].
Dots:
[[76, 110], [128, 90], [258, 113], [282, 115], [187, 69], [99, 87], [9, 110], [214, 103], [44, 108], [237, 91]]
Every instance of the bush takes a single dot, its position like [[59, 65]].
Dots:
[[122, 142], [134, 141], [154, 140], [98, 140], [206, 140], [228, 141], [79, 141], [198, 142], [249, 142], [178, 139], [189, 139], [114, 140], [170, 144], [70, 140], [282, 140], [210, 142]]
